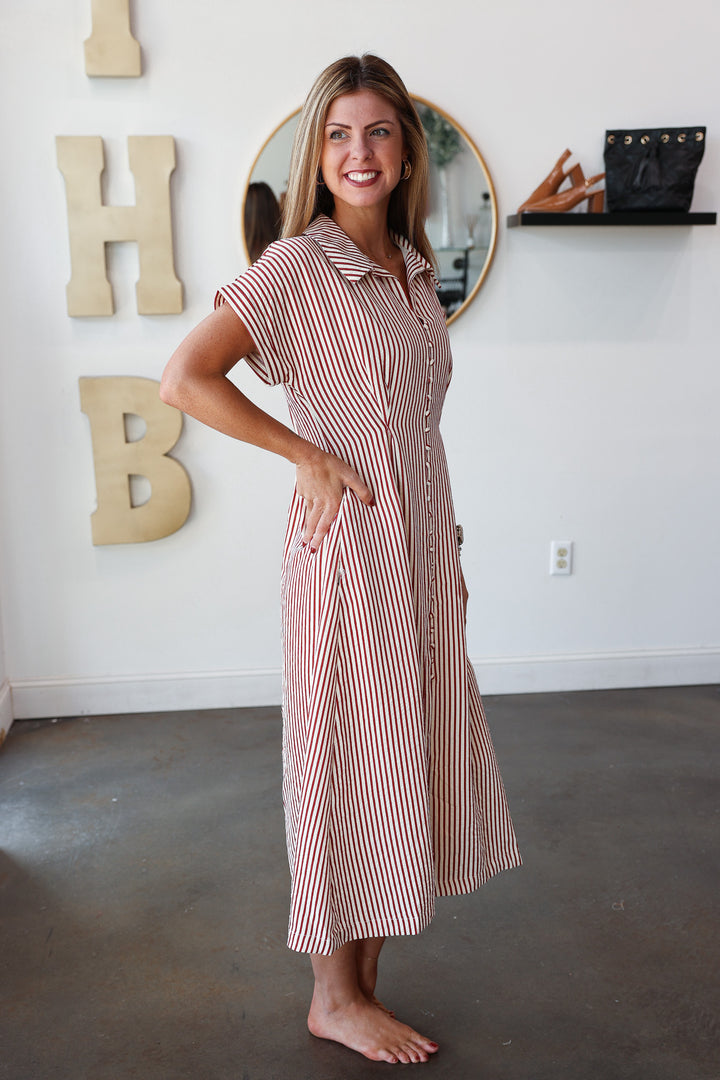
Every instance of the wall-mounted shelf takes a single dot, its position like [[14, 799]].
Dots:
[[649, 217]]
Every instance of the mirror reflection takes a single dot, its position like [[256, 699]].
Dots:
[[462, 210]]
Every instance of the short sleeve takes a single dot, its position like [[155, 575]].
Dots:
[[258, 297]]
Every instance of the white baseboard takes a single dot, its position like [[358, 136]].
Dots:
[[78, 696], [6, 709], [598, 671], [95, 696]]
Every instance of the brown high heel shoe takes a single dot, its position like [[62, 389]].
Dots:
[[567, 200], [554, 179]]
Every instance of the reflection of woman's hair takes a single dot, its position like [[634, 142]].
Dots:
[[306, 198], [261, 219]]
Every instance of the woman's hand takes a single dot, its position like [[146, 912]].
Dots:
[[321, 480]]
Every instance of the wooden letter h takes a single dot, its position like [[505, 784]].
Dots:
[[81, 159]]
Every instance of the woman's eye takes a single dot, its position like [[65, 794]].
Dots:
[[336, 136], [380, 131]]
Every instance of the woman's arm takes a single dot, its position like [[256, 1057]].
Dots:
[[195, 381]]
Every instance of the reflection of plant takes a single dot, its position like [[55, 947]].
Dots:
[[444, 141]]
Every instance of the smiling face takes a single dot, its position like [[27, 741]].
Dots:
[[362, 153]]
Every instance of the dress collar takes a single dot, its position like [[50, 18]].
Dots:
[[350, 261]]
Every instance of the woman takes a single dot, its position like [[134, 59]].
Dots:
[[391, 789], [261, 218]]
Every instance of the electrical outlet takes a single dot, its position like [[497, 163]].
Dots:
[[561, 553]]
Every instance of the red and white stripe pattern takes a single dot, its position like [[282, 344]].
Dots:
[[391, 788]]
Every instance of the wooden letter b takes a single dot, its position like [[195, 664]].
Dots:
[[106, 400]]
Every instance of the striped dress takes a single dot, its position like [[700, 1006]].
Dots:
[[391, 789]]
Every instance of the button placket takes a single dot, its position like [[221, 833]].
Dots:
[[429, 497]]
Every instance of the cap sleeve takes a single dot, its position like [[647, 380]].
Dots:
[[258, 297]]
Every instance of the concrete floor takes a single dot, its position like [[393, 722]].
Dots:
[[143, 899]]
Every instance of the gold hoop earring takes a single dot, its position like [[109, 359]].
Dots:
[[407, 169], [319, 180]]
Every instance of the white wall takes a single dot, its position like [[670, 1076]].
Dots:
[[6, 712], [6, 707], [584, 404]]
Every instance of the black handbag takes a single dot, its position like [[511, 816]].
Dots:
[[652, 168]]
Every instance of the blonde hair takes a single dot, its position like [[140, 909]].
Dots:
[[306, 198]]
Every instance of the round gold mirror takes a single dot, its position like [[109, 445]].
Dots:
[[462, 213]]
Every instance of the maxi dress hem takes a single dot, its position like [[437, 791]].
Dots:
[[384, 928]]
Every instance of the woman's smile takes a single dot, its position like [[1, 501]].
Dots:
[[362, 179]]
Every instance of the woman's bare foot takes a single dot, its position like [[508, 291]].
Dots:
[[362, 1026], [343, 1007]]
